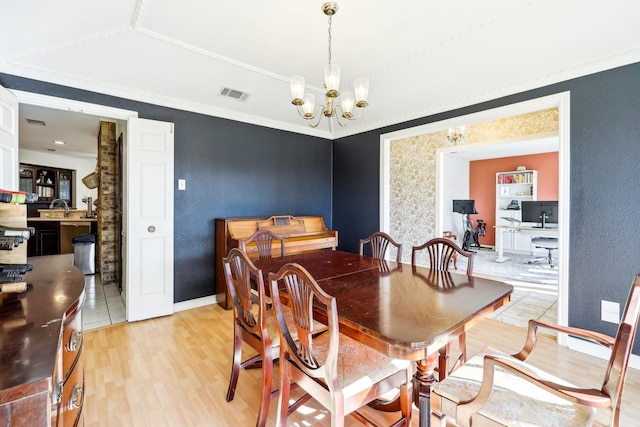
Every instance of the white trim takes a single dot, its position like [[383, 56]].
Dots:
[[72, 105], [194, 303], [562, 102], [596, 350]]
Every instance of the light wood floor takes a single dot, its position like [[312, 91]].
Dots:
[[174, 371]]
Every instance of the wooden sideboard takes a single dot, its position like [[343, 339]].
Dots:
[[302, 233], [41, 339]]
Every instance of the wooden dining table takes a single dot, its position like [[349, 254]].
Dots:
[[403, 311]]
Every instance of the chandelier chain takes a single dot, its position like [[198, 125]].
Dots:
[[330, 16]]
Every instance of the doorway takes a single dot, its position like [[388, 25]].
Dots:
[[435, 215], [90, 123]]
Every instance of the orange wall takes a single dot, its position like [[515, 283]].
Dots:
[[482, 184]]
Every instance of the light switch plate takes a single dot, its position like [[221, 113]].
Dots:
[[610, 311], [182, 184]]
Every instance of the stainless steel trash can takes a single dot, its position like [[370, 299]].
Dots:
[[84, 253]]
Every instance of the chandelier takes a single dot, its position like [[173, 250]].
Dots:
[[455, 135], [342, 110]]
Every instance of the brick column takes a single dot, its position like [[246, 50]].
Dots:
[[108, 205]]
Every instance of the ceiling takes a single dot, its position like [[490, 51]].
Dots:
[[421, 57]]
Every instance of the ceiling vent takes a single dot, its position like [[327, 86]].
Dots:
[[36, 122], [234, 94]]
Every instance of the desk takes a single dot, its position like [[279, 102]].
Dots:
[[404, 312], [533, 231]]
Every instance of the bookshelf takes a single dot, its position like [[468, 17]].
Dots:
[[512, 188]]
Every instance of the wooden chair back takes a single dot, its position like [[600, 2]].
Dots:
[[441, 251], [379, 242], [303, 292], [246, 287], [263, 240], [242, 276]]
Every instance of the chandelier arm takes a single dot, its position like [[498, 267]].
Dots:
[[346, 121], [311, 124], [339, 110], [316, 115], [357, 116], [300, 113]]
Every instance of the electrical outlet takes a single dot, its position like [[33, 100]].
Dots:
[[610, 311], [182, 184]]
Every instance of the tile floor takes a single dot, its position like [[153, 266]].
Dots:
[[104, 305], [526, 304]]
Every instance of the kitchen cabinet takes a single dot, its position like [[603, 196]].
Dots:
[[47, 182], [46, 240]]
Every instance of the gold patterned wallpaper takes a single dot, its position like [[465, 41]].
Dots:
[[412, 195]]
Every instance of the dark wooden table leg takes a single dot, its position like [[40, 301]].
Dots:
[[423, 380]]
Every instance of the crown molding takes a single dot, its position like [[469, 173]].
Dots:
[[592, 67], [16, 68]]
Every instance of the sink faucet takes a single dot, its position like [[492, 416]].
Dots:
[[58, 201]]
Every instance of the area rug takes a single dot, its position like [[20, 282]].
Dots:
[[517, 268]]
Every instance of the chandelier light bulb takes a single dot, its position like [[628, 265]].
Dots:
[[332, 79], [309, 104], [347, 102], [361, 88], [297, 89]]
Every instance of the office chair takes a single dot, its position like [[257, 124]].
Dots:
[[548, 243]]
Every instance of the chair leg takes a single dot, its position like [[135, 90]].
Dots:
[[283, 398], [235, 365], [267, 373]]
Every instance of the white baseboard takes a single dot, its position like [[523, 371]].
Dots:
[[194, 303], [597, 350]]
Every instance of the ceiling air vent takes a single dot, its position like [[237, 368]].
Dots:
[[234, 94], [36, 122]]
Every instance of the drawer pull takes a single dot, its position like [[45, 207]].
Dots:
[[74, 340], [77, 396]]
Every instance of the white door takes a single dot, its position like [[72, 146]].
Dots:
[[148, 219], [8, 140]]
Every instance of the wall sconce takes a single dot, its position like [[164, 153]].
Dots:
[[455, 135]]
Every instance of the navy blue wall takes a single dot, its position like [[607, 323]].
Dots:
[[605, 194], [232, 169]]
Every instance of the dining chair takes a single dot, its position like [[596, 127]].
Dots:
[[253, 323], [441, 251], [339, 372], [263, 239], [452, 236], [379, 242], [510, 392]]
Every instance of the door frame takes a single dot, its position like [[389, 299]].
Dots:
[[560, 101], [106, 113]]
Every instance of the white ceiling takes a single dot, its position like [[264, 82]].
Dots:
[[421, 57]]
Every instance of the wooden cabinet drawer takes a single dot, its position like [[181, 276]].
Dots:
[[72, 340], [73, 396]]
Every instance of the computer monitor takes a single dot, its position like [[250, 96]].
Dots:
[[465, 207], [541, 212]]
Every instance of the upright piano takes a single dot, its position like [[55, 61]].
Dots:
[[302, 233]]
